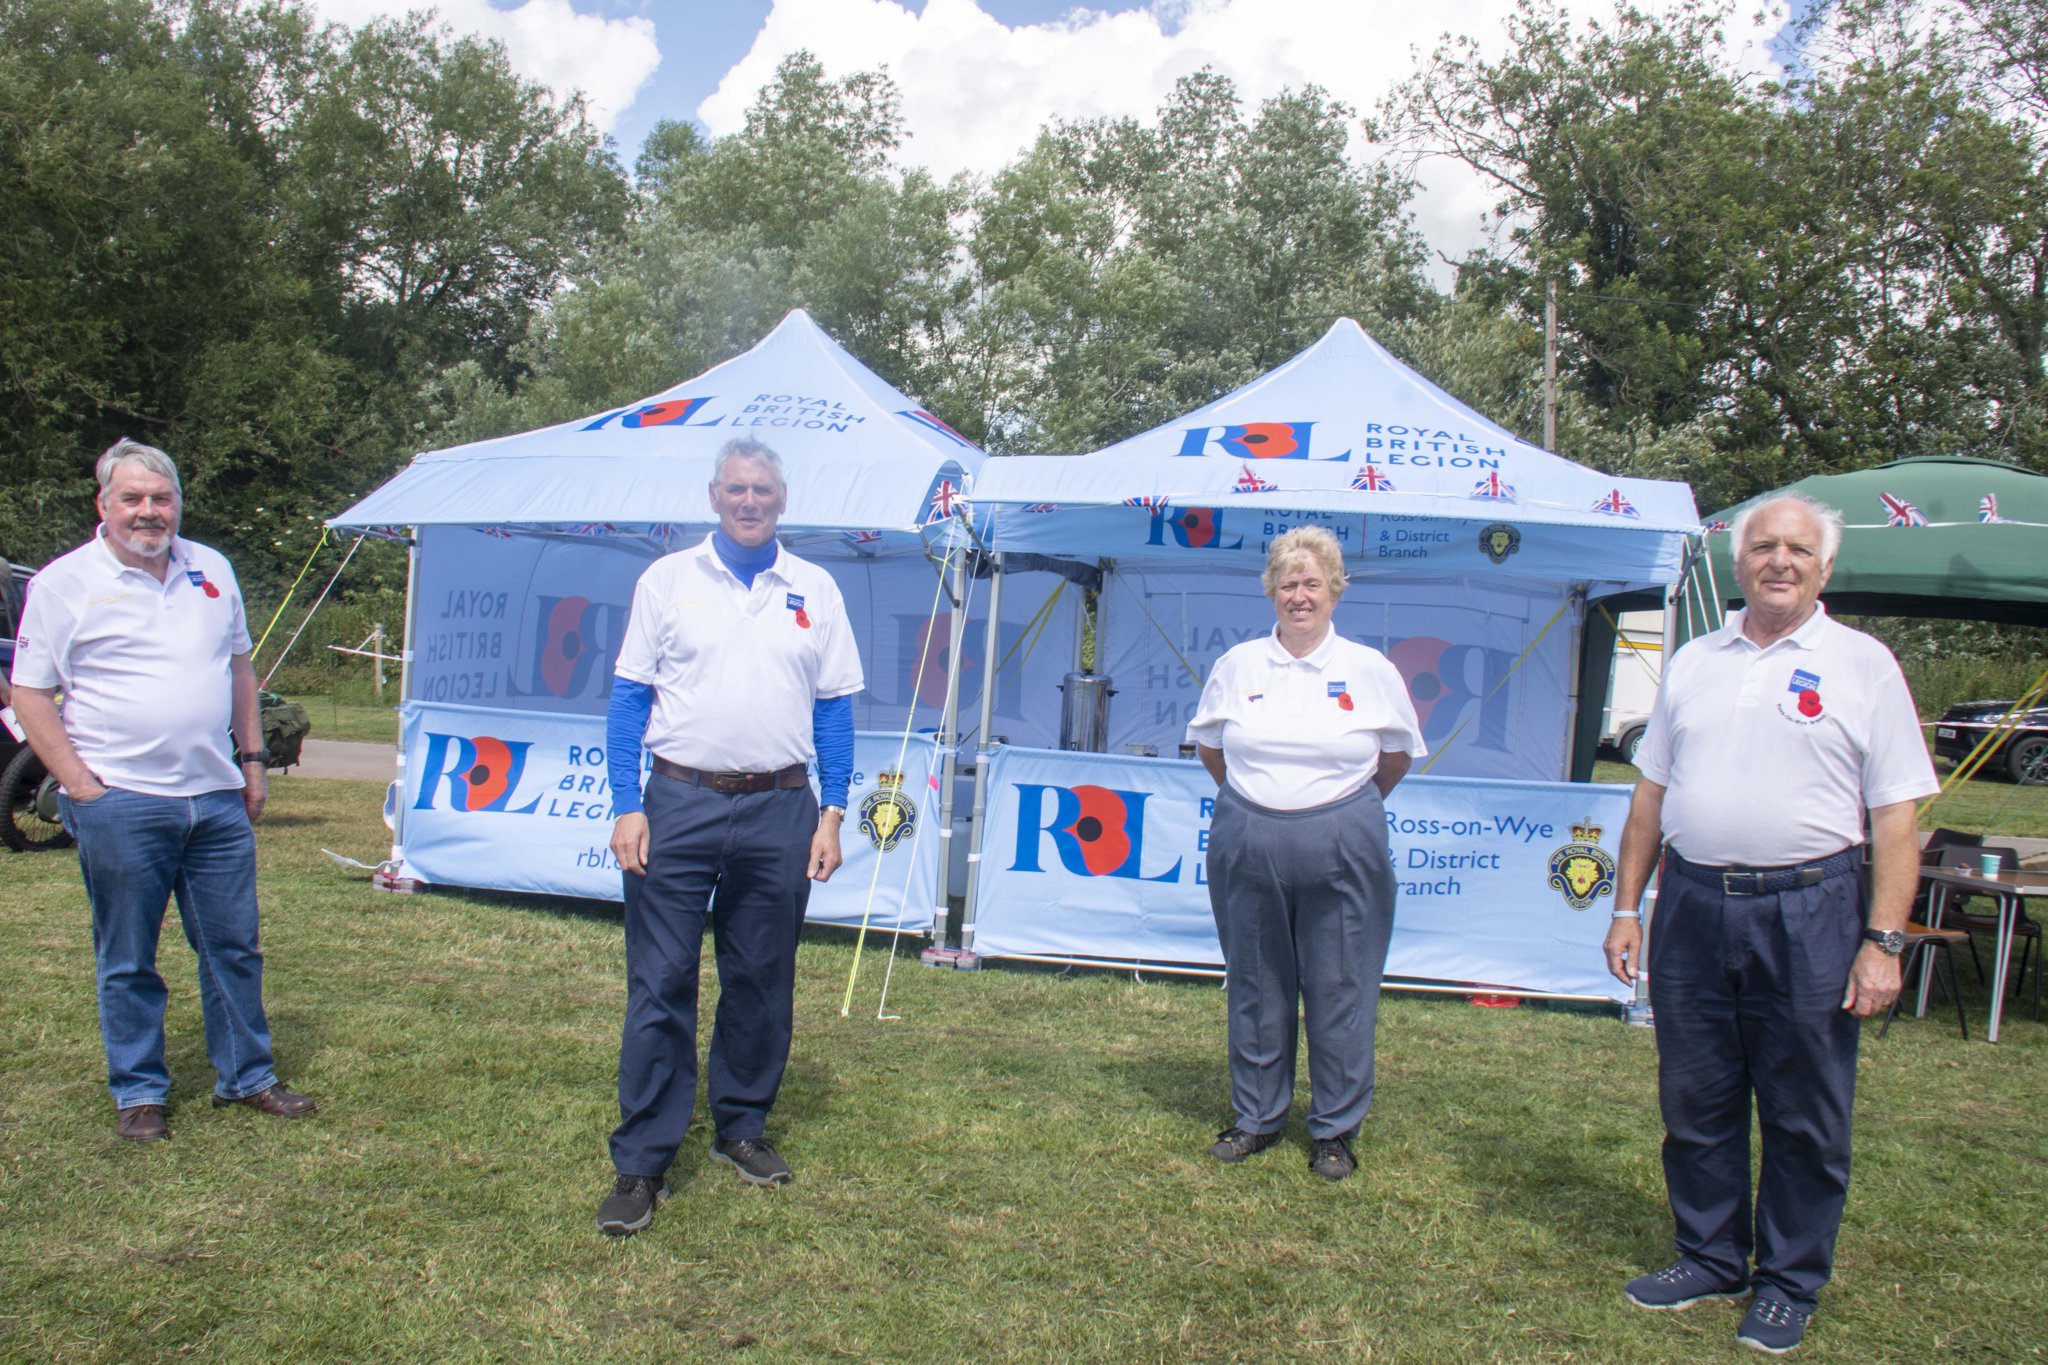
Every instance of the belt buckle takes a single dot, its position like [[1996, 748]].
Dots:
[[1742, 883], [729, 784]]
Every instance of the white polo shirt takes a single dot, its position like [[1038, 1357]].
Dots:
[[1771, 756], [143, 665], [735, 671], [1304, 732]]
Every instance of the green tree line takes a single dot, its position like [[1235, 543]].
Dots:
[[295, 255]]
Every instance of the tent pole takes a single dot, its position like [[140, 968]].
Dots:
[[949, 739], [412, 578], [985, 750], [1576, 680]]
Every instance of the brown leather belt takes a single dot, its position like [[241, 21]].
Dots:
[[736, 784]]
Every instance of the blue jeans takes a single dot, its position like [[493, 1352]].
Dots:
[[137, 851]]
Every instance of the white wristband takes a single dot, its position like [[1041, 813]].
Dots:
[[1628, 914]]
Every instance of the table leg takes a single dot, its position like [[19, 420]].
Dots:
[[1937, 902], [2007, 913]]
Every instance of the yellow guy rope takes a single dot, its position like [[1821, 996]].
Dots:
[[1554, 618], [2004, 726], [274, 616], [902, 754]]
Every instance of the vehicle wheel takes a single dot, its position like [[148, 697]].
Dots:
[[29, 796], [2027, 760], [1629, 743]]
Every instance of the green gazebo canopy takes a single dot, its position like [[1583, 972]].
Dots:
[[1943, 535]]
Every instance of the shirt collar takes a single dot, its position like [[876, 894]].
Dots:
[[1806, 637], [178, 561], [708, 554], [1317, 658]]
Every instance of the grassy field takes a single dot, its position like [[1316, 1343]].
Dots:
[[356, 721], [1011, 1171]]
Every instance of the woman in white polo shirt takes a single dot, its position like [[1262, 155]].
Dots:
[[1305, 732]]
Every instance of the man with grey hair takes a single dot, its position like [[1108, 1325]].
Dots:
[[143, 634], [1770, 740], [738, 666]]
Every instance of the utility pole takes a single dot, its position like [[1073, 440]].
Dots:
[[1550, 366]]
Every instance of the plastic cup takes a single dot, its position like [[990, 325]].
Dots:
[[1987, 863]]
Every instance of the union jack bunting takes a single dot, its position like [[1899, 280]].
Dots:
[[1493, 489], [594, 528], [1370, 480], [1041, 507], [863, 537], [1249, 482], [1899, 512], [1987, 510], [497, 531], [943, 498], [1151, 504], [1615, 505], [1714, 526]]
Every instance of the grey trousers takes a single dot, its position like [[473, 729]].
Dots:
[[1304, 906]]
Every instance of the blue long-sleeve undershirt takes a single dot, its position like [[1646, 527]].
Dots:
[[632, 706]]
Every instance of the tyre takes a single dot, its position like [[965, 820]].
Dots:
[[2027, 760], [1628, 743], [28, 794]]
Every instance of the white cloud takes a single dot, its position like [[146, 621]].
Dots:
[[609, 60], [975, 91]]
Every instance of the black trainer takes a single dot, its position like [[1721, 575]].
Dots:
[[1773, 1326], [630, 1206], [1233, 1145], [1679, 1285], [754, 1159], [1331, 1157]]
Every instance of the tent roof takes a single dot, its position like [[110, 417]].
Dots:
[[1303, 436], [1960, 563], [859, 454]]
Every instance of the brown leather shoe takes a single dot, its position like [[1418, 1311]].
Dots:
[[142, 1123], [277, 1102]]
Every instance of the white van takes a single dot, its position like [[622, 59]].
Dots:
[[1632, 688]]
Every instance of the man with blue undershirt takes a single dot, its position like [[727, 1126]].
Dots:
[[737, 667]]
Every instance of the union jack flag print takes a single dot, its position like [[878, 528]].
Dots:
[[1493, 489], [1150, 504], [1987, 510], [1370, 480], [864, 537], [1041, 507], [1249, 482], [1714, 526], [1899, 512], [1615, 505], [943, 498]]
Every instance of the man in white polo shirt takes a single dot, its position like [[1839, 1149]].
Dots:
[[1770, 740], [142, 632], [738, 665]]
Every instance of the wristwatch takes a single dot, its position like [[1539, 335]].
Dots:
[[1891, 942], [243, 756], [840, 809]]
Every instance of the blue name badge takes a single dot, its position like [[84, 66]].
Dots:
[[1802, 681], [198, 579], [795, 600], [1336, 689]]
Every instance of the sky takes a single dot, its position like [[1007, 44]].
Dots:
[[979, 77]]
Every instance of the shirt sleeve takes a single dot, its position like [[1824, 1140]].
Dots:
[[1212, 713], [839, 671], [1897, 767], [640, 652], [1405, 735], [1653, 750], [44, 640]]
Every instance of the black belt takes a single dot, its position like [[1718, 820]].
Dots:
[[736, 784], [1765, 881]]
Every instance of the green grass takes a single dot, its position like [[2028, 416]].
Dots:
[[1011, 1171], [334, 717]]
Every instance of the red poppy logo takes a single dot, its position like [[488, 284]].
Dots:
[[1809, 703], [1264, 440], [209, 589], [802, 620], [1343, 701]]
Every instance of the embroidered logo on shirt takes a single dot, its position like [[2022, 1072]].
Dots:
[[198, 580], [796, 604], [1343, 697], [1806, 686]]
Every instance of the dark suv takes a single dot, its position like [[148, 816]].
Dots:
[[2022, 753], [28, 798]]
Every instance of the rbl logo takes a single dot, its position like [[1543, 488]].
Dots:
[[574, 643], [1256, 441], [1097, 831], [1441, 682], [1192, 528], [480, 773], [668, 412]]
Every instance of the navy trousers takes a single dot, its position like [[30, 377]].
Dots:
[[1304, 907], [1747, 992], [739, 861]]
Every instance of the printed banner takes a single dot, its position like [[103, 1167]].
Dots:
[[1502, 884], [1486, 710], [517, 621], [521, 801]]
